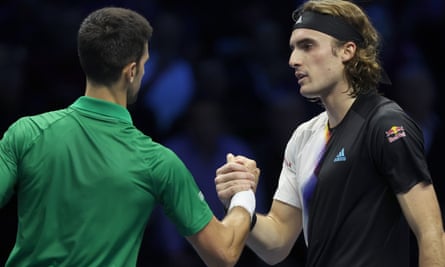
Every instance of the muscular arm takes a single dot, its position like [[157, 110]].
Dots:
[[275, 234], [221, 243], [421, 209]]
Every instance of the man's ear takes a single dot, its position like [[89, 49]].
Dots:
[[348, 52], [129, 71]]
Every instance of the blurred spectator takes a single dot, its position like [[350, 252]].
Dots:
[[267, 61], [202, 145], [383, 21], [169, 83], [281, 119], [415, 90], [202, 142], [12, 77], [423, 23]]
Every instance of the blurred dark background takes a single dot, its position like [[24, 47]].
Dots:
[[217, 81]]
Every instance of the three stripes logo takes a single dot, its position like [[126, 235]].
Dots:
[[340, 156]]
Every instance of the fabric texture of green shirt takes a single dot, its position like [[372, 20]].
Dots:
[[87, 181]]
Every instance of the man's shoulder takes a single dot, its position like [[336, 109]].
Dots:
[[24, 131], [387, 109], [315, 123], [313, 128], [40, 119]]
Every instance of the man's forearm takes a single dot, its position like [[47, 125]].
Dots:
[[432, 250]]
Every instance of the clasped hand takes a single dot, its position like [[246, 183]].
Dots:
[[237, 174]]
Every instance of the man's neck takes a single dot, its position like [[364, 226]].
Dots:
[[337, 107], [111, 94]]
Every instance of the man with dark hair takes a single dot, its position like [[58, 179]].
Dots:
[[87, 180]]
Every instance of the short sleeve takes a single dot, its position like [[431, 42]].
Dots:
[[9, 157], [397, 148], [179, 195], [287, 190]]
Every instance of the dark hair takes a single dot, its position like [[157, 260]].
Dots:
[[110, 38]]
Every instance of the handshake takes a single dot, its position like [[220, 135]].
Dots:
[[236, 182]]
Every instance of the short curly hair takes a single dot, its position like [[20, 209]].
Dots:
[[109, 39]]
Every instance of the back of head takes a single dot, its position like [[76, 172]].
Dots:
[[364, 70], [109, 39]]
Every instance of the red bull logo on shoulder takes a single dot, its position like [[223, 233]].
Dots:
[[395, 133]]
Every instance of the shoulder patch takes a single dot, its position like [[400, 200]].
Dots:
[[395, 133]]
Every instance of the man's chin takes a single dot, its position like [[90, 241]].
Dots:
[[308, 94]]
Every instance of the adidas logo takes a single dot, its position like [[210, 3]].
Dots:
[[340, 156], [300, 20]]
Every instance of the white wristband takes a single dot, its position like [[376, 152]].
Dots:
[[245, 199]]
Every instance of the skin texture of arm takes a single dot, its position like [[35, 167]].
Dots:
[[238, 174], [221, 243], [275, 234], [421, 209]]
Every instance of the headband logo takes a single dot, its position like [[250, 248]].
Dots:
[[300, 20]]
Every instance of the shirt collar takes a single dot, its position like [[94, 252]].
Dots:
[[102, 107]]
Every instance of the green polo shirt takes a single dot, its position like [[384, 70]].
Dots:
[[87, 181]]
